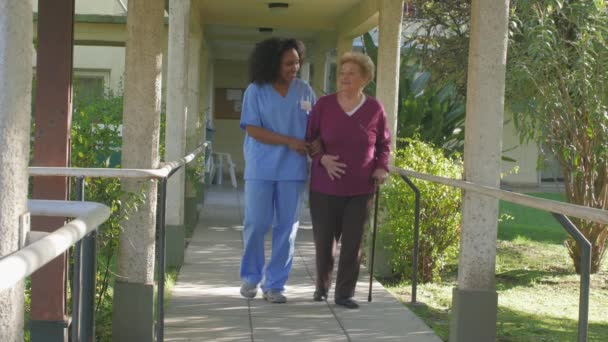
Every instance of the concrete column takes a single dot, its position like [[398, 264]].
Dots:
[[305, 72], [344, 45], [475, 299], [322, 64], [15, 97], [194, 122], [319, 60], [206, 102], [389, 53], [206, 89], [209, 87], [133, 309], [326, 72], [177, 112]]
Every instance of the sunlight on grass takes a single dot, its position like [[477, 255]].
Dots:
[[538, 290], [519, 239], [555, 297], [170, 280]]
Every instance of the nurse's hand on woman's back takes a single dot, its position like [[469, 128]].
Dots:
[[314, 147], [298, 146]]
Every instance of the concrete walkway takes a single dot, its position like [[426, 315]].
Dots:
[[205, 304]]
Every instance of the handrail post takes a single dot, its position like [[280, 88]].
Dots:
[[160, 248], [77, 277], [585, 267], [88, 277], [76, 291], [416, 236], [85, 250]]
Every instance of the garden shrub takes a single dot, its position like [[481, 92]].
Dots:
[[96, 134], [96, 143], [440, 215]]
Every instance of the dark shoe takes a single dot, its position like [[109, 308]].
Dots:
[[319, 296], [348, 303]]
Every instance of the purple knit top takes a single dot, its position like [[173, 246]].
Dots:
[[362, 141]]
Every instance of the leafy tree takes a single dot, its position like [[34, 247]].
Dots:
[[432, 113], [556, 81], [439, 30], [557, 88]]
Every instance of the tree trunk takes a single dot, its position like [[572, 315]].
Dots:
[[596, 234]]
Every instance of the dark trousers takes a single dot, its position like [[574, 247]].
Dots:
[[335, 217]]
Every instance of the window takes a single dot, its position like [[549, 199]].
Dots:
[[88, 85], [87, 88]]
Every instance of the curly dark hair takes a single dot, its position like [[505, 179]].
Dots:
[[265, 59]]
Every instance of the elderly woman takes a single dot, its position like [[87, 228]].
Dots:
[[274, 115], [356, 142]]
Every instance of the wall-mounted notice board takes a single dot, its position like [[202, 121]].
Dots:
[[228, 102]]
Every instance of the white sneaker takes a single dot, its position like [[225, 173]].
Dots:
[[249, 290]]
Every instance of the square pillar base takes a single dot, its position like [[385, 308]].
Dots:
[[191, 218], [176, 243], [48, 331], [133, 312], [473, 315]]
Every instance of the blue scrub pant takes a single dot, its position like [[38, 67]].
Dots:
[[276, 204]]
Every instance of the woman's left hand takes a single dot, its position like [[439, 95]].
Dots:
[[379, 176]]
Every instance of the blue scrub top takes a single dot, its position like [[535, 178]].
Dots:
[[264, 107]]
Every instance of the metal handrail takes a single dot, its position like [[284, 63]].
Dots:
[[559, 210], [583, 301], [586, 213], [22, 263], [162, 174], [416, 235]]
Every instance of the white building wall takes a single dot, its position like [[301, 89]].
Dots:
[[523, 172], [229, 136], [108, 59], [101, 61], [98, 7]]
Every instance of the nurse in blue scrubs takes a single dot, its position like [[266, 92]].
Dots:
[[274, 115]]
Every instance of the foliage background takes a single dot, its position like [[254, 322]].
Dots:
[[439, 213]]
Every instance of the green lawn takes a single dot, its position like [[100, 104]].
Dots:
[[538, 290], [532, 224]]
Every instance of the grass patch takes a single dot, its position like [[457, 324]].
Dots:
[[531, 224], [538, 289]]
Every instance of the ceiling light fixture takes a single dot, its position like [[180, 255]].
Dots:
[[278, 7], [265, 29]]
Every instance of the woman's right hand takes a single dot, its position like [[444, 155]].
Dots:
[[334, 168], [298, 146]]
